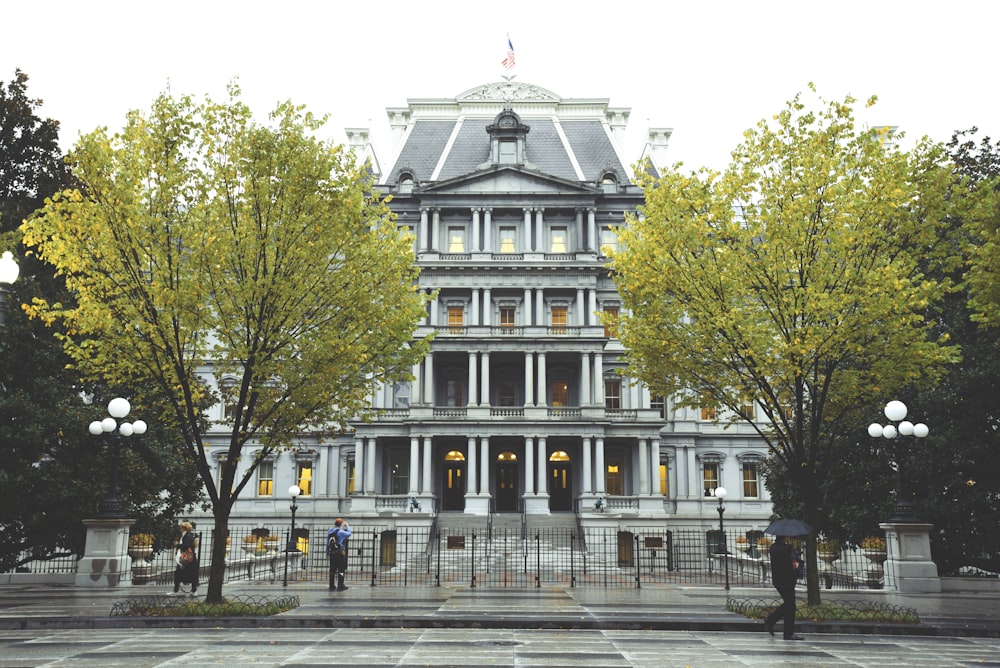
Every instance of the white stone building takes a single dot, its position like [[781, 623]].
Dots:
[[512, 195]]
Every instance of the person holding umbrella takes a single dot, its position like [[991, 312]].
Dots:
[[784, 569]]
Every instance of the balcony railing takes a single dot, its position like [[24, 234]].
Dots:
[[565, 412], [507, 411], [450, 411], [621, 414]]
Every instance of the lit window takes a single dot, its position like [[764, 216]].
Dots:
[[711, 478], [750, 480], [456, 239], [507, 316], [560, 393], [613, 480], [613, 393], [557, 240], [350, 475], [707, 408], [560, 316], [610, 324], [456, 318], [305, 478], [265, 478], [508, 239], [664, 480]]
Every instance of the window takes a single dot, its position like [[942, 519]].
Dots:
[[508, 239], [508, 152], [656, 402], [304, 477], [707, 408], [615, 485], [454, 392], [506, 393], [265, 478], [229, 391], [613, 393], [456, 239], [751, 488], [508, 315], [399, 482], [560, 393], [665, 479], [560, 316], [557, 240], [456, 318], [610, 322], [609, 241], [350, 475], [711, 477], [747, 408], [406, 184]]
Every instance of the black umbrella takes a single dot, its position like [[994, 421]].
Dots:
[[788, 527]]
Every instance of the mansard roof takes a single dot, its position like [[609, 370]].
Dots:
[[569, 139]]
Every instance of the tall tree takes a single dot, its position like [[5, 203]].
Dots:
[[52, 474], [209, 245], [793, 279]]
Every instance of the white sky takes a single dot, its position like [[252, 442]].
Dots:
[[707, 69]]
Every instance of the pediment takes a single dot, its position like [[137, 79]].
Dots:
[[508, 179]]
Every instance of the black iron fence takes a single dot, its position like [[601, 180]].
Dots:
[[515, 558]]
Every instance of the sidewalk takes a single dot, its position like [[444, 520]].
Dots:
[[674, 608]]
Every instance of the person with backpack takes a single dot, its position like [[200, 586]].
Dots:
[[336, 549]]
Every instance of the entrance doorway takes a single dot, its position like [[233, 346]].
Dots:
[[506, 482], [453, 497], [560, 482]]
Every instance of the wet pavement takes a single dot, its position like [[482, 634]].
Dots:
[[445, 626]]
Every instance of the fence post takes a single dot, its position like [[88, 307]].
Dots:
[[374, 545], [572, 559], [437, 546], [638, 563], [473, 585], [538, 560]]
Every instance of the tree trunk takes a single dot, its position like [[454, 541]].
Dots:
[[217, 573]]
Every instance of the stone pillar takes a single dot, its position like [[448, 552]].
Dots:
[[643, 467], [425, 480], [487, 230], [105, 561], [529, 380], [585, 241], [543, 460], [539, 230], [581, 308], [529, 466], [528, 237], [484, 392], [435, 229], [599, 477], [473, 381], [908, 564], [528, 313], [475, 230], [429, 397], [588, 467], [595, 242], [598, 379], [370, 468], [414, 466], [585, 379], [474, 315], [359, 465], [472, 486], [484, 464], [487, 307], [416, 385], [424, 234], [542, 389]]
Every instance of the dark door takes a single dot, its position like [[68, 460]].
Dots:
[[560, 487], [506, 487], [454, 486]]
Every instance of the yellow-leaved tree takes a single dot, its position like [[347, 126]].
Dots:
[[206, 244], [796, 279]]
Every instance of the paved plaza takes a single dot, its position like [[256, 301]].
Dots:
[[456, 626]]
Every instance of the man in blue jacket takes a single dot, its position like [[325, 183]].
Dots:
[[336, 549]]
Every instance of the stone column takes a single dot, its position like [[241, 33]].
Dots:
[[528, 313], [425, 480], [643, 467], [472, 486], [543, 460], [542, 388], [414, 466], [595, 242], [484, 392], [429, 397], [529, 465], [474, 315], [424, 234], [585, 379], [488, 230], [435, 230], [581, 308], [528, 237], [484, 464], [585, 242], [475, 230], [539, 230], [598, 379], [529, 380], [487, 307], [588, 467], [473, 382], [370, 468], [359, 465], [599, 471], [416, 385]]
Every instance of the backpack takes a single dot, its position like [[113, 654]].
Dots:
[[334, 546]]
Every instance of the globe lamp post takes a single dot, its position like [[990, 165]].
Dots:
[[116, 431], [898, 427]]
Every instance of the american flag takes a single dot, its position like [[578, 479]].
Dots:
[[508, 62]]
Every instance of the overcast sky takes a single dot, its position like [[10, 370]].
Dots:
[[707, 69]]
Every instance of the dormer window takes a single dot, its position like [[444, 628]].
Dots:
[[405, 182], [507, 134]]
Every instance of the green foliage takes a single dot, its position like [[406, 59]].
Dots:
[[236, 606], [53, 473], [800, 277], [202, 236]]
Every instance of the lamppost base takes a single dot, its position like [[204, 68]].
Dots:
[[902, 512]]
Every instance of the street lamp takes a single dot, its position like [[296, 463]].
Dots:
[[118, 408], [720, 494], [8, 274], [895, 411], [292, 546]]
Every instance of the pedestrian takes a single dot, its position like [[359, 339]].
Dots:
[[784, 573], [187, 559], [336, 549]]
